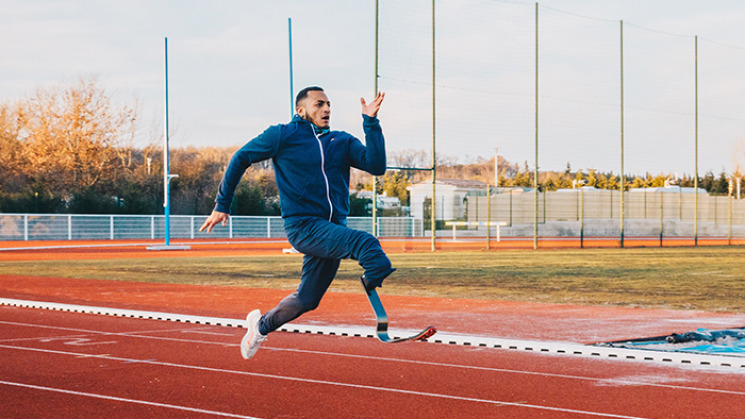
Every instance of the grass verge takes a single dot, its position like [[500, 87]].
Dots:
[[705, 278]]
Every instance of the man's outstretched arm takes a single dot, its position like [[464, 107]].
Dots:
[[260, 148]]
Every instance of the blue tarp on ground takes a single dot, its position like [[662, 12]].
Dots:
[[705, 341]]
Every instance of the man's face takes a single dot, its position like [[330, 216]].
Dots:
[[316, 108]]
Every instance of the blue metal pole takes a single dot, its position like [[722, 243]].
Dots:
[[166, 169], [292, 88]]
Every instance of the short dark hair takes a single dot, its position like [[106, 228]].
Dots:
[[304, 93]]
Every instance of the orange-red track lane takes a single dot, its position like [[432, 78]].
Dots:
[[145, 368], [59, 364], [72, 365]]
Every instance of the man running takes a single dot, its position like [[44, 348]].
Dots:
[[311, 165]]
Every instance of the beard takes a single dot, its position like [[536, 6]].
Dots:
[[319, 122]]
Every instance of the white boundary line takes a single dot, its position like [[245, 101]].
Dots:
[[322, 382], [144, 334], [733, 363], [121, 399]]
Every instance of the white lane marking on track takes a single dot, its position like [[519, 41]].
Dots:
[[121, 399], [76, 341], [333, 383], [135, 334], [100, 332], [207, 333], [603, 381]]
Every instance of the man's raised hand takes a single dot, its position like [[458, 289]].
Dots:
[[215, 218], [371, 109]]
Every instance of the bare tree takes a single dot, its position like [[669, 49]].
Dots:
[[10, 164], [72, 135]]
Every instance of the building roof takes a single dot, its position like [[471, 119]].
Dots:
[[458, 183], [582, 188], [670, 189]]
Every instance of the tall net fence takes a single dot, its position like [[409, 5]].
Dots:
[[595, 98]]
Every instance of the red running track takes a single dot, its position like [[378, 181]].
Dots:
[[70, 365]]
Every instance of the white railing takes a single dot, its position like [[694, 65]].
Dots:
[[122, 227]]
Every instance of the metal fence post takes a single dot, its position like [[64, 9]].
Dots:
[[511, 208], [729, 213], [25, 227], [69, 226], [111, 227], [488, 216], [729, 222], [582, 218], [662, 210]]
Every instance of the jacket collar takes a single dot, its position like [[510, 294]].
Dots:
[[316, 130]]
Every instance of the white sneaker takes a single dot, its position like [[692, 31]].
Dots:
[[252, 340]]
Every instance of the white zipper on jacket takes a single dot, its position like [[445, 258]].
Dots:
[[325, 178]]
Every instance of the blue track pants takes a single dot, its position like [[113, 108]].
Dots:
[[324, 244]]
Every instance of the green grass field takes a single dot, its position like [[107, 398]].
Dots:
[[706, 278]]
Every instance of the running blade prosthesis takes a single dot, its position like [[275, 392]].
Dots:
[[382, 318]]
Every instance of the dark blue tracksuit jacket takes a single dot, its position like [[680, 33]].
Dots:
[[311, 167], [312, 172]]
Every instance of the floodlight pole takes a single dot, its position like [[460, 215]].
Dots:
[[166, 165], [375, 178], [292, 87], [434, 156], [166, 154], [622, 186], [695, 179], [535, 180]]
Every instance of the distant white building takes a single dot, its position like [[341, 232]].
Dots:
[[386, 203], [581, 188], [451, 200], [651, 190], [669, 189]]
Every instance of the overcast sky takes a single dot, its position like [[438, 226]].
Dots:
[[229, 76]]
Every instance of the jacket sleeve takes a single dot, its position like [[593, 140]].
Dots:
[[371, 156], [263, 147]]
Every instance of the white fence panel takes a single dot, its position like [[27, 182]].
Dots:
[[133, 227]]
